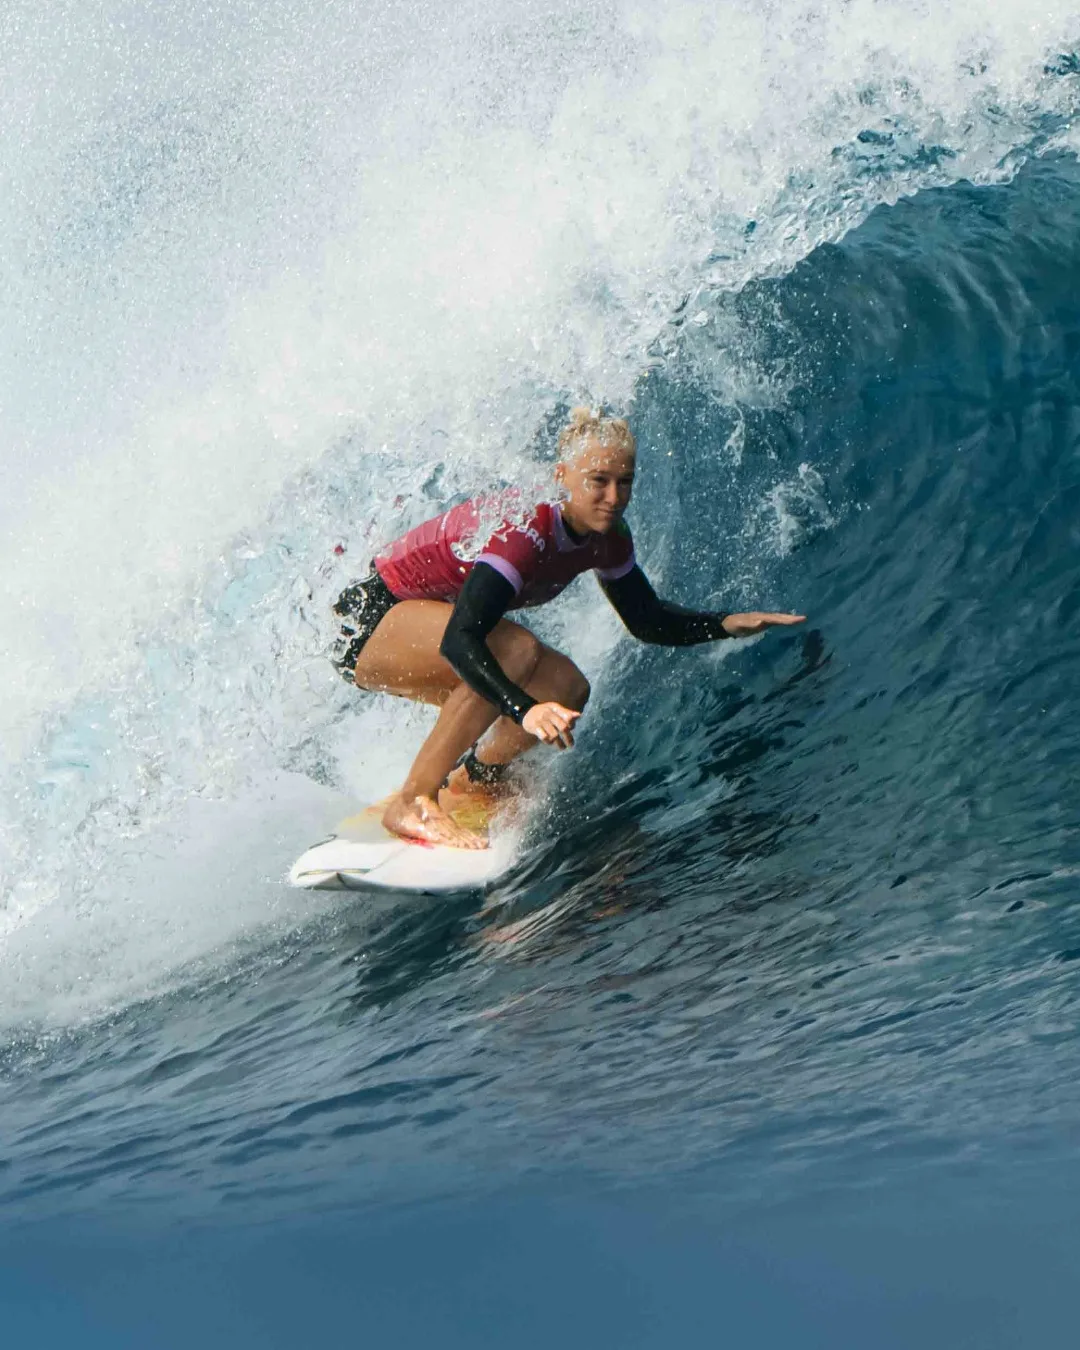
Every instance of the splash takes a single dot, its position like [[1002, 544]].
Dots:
[[279, 284]]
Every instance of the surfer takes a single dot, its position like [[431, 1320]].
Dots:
[[429, 622]]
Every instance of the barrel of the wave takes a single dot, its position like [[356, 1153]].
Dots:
[[431, 624]]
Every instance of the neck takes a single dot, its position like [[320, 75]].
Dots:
[[576, 533]]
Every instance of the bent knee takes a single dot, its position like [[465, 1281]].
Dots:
[[564, 681], [516, 649], [578, 688]]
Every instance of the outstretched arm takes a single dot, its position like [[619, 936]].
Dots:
[[651, 619]]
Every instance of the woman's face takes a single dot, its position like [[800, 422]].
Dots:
[[597, 483]]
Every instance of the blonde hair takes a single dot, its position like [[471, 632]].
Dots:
[[586, 422]]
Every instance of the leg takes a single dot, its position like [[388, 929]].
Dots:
[[556, 677], [402, 657]]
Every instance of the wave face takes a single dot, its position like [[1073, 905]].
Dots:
[[286, 286]]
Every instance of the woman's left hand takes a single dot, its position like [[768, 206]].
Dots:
[[746, 625]]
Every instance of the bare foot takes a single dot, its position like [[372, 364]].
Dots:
[[422, 818]]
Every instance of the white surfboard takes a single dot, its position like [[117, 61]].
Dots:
[[360, 854]]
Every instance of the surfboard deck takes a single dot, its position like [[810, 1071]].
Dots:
[[360, 855]]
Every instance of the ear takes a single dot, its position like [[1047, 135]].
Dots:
[[560, 472]]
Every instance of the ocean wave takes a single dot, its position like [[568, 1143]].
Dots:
[[293, 290]]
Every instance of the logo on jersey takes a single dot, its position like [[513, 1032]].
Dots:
[[534, 534]]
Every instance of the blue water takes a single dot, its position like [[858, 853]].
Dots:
[[769, 1037]]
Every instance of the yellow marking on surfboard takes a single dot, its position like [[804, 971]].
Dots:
[[472, 810]]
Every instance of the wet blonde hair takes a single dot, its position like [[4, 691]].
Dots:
[[590, 422]]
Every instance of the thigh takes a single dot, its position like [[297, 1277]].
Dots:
[[402, 655], [557, 677]]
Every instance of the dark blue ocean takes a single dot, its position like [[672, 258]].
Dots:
[[769, 1037]]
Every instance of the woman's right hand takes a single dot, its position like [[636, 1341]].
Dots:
[[551, 723]]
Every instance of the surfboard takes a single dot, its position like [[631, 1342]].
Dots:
[[360, 855]]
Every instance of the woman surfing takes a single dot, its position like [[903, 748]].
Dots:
[[429, 622]]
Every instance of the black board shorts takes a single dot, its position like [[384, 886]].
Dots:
[[361, 607]]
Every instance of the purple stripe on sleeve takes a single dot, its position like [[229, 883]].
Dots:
[[614, 573], [504, 569]]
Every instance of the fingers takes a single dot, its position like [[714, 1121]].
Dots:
[[746, 625], [552, 724], [556, 726]]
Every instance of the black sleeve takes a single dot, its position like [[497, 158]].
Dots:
[[651, 619], [483, 601]]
